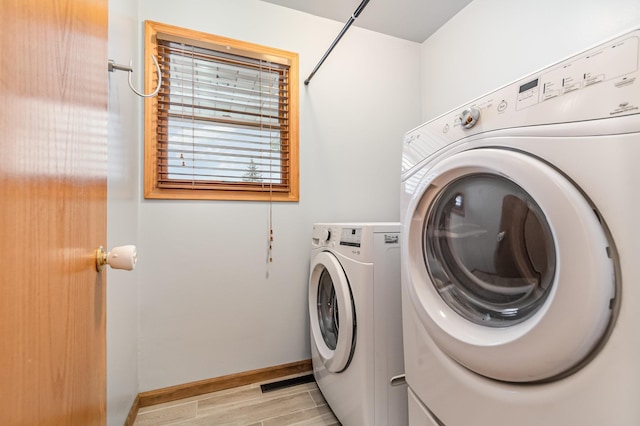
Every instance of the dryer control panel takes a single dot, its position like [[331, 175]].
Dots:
[[600, 83], [616, 62]]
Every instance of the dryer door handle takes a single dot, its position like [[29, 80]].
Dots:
[[398, 380]]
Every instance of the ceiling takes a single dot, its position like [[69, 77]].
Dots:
[[413, 20]]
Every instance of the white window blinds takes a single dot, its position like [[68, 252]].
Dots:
[[222, 119]]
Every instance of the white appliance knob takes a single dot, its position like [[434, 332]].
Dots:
[[470, 117]]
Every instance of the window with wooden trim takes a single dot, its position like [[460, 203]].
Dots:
[[224, 125]]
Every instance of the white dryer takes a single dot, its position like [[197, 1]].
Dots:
[[356, 322], [521, 284]]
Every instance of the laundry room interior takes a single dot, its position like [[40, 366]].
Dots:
[[221, 287], [203, 301]]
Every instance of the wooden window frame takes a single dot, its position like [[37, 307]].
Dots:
[[152, 188]]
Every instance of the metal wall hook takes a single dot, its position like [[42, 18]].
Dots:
[[115, 67]]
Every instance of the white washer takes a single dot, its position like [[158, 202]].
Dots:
[[520, 277], [356, 322]]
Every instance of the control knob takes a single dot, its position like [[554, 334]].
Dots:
[[325, 235], [470, 117]]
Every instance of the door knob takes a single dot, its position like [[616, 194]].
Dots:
[[123, 257]]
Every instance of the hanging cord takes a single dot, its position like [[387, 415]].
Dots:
[[270, 184], [269, 177], [270, 199], [193, 116]]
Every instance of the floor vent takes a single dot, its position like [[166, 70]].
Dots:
[[268, 387]]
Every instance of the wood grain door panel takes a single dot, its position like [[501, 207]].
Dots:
[[53, 125]]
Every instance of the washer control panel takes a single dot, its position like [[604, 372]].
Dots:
[[351, 237], [600, 83]]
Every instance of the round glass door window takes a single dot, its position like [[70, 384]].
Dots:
[[489, 250], [328, 315]]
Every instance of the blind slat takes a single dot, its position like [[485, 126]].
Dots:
[[178, 108]]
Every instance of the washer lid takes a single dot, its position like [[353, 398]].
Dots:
[[508, 265], [331, 312]]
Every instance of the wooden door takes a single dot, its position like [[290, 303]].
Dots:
[[53, 128]]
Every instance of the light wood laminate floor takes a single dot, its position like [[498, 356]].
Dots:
[[300, 405]]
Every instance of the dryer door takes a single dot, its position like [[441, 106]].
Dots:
[[508, 266], [331, 312]]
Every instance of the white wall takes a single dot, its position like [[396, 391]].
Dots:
[[209, 303], [123, 191], [491, 43]]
